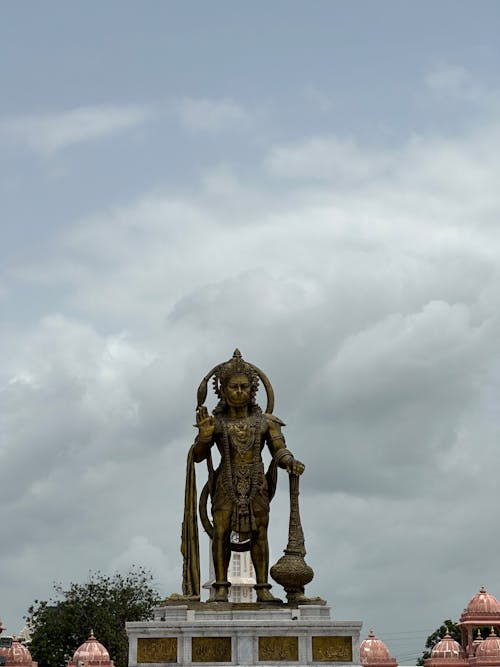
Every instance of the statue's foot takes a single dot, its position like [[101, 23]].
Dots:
[[264, 594], [221, 591]]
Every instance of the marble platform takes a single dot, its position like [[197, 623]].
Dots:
[[240, 634]]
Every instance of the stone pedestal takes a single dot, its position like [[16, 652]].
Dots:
[[242, 634]]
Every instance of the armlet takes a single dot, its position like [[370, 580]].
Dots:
[[281, 453]]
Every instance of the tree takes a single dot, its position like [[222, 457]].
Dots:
[[103, 603], [447, 626]]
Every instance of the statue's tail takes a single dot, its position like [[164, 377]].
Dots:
[[190, 547]]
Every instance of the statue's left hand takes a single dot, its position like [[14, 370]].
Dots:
[[295, 467]]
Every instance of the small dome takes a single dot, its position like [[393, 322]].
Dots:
[[477, 640], [373, 650], [16, 654], [91, 651], [483, 603], [489, 647], [447, 648]]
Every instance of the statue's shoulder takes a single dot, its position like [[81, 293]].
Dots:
[[273, 419]]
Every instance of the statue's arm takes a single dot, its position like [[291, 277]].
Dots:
[[205, 424], [277, 446]]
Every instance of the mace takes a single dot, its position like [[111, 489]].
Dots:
[[291, 571]]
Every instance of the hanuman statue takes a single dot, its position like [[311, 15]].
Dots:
[[239, 489]]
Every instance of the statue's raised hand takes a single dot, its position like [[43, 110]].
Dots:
[[205, 424]]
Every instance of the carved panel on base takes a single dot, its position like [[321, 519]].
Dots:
[[278, 648], [211, 649], [332, 649], [157, 649]]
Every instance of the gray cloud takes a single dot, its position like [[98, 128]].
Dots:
[[49, 133], [363, 280], [211, 115]]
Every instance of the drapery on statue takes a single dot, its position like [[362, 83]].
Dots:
[[239, 489]]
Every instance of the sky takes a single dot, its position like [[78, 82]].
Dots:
[[315, 183]]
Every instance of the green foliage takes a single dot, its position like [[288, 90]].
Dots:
[[447, 626], [103, 603]]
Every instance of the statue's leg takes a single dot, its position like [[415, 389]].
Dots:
[[260, 559], [221, 553], [260, 550]]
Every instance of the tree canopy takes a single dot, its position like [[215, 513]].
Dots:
[[103, 603]]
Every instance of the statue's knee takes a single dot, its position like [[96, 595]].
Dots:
[[221, 525], [262, 524], [219, 533]]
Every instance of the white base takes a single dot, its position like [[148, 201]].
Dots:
[[244, 627]]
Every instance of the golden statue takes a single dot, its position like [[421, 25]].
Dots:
[[239, 490]]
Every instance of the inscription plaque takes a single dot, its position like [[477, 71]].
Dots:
[[157, 649], [332, 649], [211, 649], [278, 648]]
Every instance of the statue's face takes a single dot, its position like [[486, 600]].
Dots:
[[237, 390]]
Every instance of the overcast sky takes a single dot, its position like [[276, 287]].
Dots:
[[316, 183]]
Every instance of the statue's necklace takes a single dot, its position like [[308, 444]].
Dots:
[[242, 434], [227, 477]]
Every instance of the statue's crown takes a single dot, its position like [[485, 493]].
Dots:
[[234, 366]]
